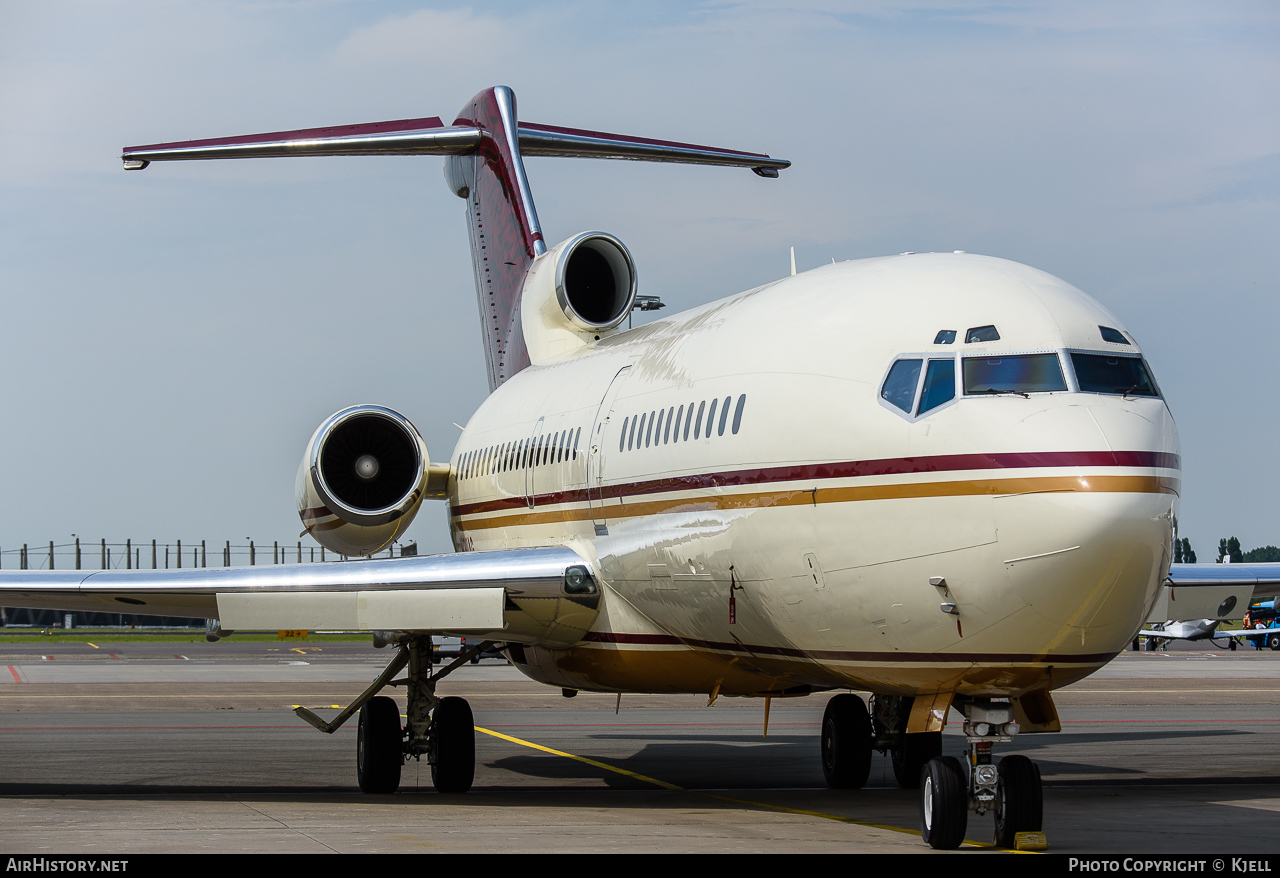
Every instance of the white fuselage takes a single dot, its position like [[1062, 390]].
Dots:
[[790, 544]]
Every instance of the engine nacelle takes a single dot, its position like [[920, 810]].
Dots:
[[577, 292], [363, 476]]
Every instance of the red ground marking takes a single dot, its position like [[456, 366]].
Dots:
[[14, 671]]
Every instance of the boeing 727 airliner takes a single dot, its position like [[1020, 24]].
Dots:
[[945, 480]]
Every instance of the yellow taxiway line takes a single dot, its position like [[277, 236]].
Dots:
[[670, 786]]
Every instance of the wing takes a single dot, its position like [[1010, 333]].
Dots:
[[540, 595], [1264, 578], [1249, 632]]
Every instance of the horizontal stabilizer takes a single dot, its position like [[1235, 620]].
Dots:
[[579, 143], [430, 136], [427, 136]]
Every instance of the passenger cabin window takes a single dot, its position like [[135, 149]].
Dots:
[[1032, 373], [981, 333], [1107, 373], [1114, 336], [945, 336], [900, 387]]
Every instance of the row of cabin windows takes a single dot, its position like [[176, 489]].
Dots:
[[673, 425], [542, 450]]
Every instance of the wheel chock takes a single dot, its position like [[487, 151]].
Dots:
[[1030, 841]]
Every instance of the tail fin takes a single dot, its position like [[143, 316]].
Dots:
[[485, 166], [503, 224]]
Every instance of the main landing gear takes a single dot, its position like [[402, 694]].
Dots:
[[1010, 790], [850, 733], [440, 728]]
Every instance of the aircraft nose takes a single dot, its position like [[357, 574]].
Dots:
[[1090, 554]]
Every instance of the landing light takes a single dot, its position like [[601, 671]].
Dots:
[[577, 580]]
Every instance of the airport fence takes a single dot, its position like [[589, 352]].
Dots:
[[78, 554]]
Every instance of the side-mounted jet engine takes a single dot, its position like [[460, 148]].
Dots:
[[363, 477]]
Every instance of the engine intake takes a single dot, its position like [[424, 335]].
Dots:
[[595, 281], [362, 479], [367, 464]]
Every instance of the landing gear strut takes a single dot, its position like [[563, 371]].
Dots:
[[441, 728], [909, 752], [1011, 790]]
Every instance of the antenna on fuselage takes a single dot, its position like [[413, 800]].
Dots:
[[793, 261]]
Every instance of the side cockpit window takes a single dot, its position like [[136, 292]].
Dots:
[[1112, 374], [899, 388], [939, 385], [981, 333], [907, 389], [1114, 336]]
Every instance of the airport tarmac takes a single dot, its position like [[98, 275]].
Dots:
[[141, 747]]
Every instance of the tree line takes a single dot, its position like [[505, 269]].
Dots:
[[1228, 548]]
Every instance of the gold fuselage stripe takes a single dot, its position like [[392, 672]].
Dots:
[[704, 500]]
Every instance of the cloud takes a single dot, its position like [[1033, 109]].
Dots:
[[443, 38]]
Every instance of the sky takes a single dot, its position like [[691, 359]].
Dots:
[[171, 338]]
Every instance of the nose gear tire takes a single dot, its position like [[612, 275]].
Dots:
[[944, 803], [1019, 800]]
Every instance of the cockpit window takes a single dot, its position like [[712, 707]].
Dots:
[[1107, 373], [1031, 373], [1114, 336], [981, 333], [939, 384], [900, 387], [945, 336]]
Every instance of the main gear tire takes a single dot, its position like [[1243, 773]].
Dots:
[[379, 751], [846, 743], [912, 755], [453, 746]]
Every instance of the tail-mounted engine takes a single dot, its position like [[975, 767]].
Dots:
[[363, 476], [579, 291]]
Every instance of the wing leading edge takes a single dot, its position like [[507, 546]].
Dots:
[[539, 595]]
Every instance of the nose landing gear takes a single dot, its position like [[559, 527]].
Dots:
[[1012, 790]]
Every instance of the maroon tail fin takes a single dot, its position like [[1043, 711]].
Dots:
[[484, 166], [503, 224]]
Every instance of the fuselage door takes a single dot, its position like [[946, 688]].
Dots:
[[531, 462], [597, 449]]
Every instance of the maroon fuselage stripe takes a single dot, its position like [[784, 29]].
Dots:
[[941, 463], [848, 655]]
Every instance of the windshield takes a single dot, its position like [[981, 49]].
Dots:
[[1031, 373], [1107, 373]]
